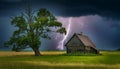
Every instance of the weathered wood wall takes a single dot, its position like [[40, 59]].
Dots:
[[76, 46]]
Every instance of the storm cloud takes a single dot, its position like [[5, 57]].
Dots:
[[99, 19], [66, 8]]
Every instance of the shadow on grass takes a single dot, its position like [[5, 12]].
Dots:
[[80, 54]]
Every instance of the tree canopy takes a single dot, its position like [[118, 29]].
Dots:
[[31, 27]]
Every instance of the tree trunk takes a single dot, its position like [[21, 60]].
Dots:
[[36, 51]]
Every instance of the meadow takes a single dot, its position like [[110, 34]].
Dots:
[[59, 60]]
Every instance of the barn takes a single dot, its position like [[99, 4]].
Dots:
[[80, 43]]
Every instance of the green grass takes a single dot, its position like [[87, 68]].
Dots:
[[59, 60]]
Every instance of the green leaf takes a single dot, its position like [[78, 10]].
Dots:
[[61, 31], [31, 28]]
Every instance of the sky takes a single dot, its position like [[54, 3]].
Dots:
[[98, 19]]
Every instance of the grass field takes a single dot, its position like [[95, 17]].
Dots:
[[58, 60]]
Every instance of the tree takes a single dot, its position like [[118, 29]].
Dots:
[[118, 49], [31, 28]]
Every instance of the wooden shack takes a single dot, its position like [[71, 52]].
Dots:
[[80, 43]]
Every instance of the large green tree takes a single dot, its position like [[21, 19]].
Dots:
[[31, 27]]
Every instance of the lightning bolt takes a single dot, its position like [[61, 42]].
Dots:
[[61, 43]]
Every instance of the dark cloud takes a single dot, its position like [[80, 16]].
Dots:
[[105, 33], [105, 8], [11, 0]]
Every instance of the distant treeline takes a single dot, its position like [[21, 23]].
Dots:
[[118, 49], [110, 50]]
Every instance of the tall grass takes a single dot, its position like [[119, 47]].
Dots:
[[57, 60], [43, 65]]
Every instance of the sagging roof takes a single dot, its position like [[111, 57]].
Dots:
[[84, 39]]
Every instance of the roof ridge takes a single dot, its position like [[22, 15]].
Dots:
[[86, 40]]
